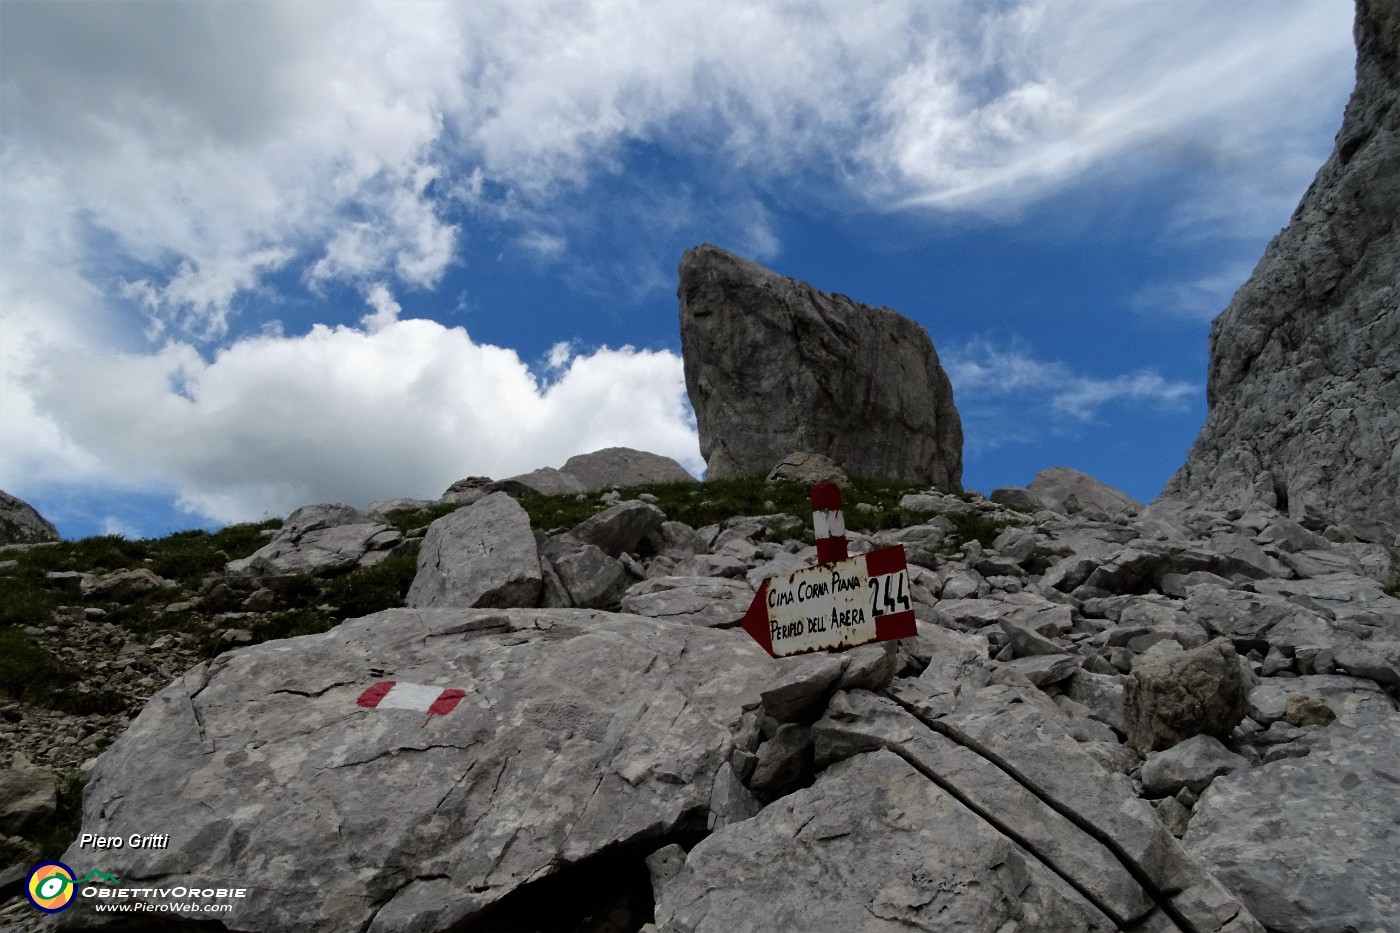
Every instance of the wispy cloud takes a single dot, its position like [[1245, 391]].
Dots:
[[112, 525], [209, 146], [1009, 382], [1199, 299]]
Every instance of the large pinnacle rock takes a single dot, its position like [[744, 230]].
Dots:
[[1304, 393], [773, 366]]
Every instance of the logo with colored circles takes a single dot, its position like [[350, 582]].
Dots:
[[50, 887]]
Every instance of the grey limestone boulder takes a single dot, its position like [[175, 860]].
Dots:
[[546, 481], [28, 796], [1026, 610], [620, 467], [1304, 406], [1070, 492], [1309, 843], [872, 846], [122, 584], [1017, 498], [321, 539], [383, 507], [1171, 697], [483, 555], [772, 365], [468, 490], [1191, 764], [1044, 669], [21, 523], [712, 565], [618, 529], [591, 578]]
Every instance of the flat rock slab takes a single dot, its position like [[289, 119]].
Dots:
[[1043, 670], [1352, 698], [873, 846], [546, 481], [708, 601], [577, 731], [860, 722], [1311, 843], [1024, 734]]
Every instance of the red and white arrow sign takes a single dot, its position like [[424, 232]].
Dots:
[[393, 694], [837, 605]]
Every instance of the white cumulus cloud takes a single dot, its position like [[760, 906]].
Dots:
[[343, 414]]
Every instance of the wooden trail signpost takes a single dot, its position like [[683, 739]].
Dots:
[[841, 602]]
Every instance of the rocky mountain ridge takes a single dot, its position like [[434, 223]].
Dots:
[[1304, 382], [629, 731]]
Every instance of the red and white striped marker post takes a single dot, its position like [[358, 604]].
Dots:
[[840, 603], [829, 523], [392, 694]]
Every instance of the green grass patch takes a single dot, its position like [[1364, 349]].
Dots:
[[972, 526], [26, 669], [291, 623], [407, 520], [370, 589], [98, 554], [25, 599], [712, 502], [30, 673], [185, 556], [188, 556]]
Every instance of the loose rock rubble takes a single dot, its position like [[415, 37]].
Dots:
[[641, 719]]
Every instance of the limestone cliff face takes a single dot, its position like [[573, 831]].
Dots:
[[21, 524], [1304, 384]]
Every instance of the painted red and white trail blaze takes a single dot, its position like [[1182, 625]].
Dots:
[[829, 523], [392, 694], [842, 601]]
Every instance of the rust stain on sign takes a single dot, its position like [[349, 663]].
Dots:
[[834, 606]]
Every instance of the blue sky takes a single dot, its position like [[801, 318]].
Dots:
[[254, 256]]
